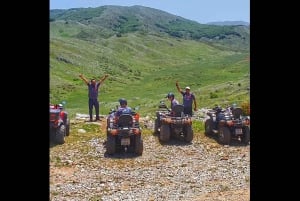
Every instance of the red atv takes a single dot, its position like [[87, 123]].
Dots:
[[173, 124], [59, 124], [124, 133], [228, 124]]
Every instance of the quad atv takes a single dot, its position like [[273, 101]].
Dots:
[[59, 124], [124, 133], [173, 123], [228, 124]]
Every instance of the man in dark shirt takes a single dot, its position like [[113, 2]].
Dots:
[[93, 90], [171, 97], [123, 109], [188, 100]]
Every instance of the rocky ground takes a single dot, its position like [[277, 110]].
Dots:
[[202, 170]]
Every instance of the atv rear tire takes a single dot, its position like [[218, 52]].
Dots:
[[188, 133], [60, 134], [52, 134], [111, 144], [224, 135], [138, 149], [165, 133], [246, 136], [208, 127]]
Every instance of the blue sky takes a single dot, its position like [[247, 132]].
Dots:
[[202, 11]]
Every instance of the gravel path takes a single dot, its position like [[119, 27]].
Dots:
[[201, 170]]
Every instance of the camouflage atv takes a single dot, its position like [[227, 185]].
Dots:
[[59, 124], [227, 125], [124, 133], [173, 124]]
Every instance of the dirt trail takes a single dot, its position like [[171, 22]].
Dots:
[[197, 171]]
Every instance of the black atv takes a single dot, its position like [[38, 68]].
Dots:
[[124, 133], [228, 124], [173, 123], [59, 124]]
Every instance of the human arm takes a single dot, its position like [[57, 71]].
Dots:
[[103, 78], [83, 78], [178, 88]]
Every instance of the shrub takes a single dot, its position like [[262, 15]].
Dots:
[[213, 95], [246, 108]]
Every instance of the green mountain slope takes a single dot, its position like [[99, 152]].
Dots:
[[143, 62], [106, 21]]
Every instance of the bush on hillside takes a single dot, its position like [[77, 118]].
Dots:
[[246, 108], [213, 95]]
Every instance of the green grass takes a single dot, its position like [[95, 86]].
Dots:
[[143, 68]]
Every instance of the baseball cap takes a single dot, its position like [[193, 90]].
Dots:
[[187, 88]]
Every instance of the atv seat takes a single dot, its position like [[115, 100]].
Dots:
[[125, 120], [177, 110], [237, 112]]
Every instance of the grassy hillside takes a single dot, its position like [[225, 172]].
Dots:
[[143, 67]]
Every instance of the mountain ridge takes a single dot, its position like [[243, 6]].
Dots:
[[118, 20]]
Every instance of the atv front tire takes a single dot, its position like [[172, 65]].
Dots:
[[208, 127], [68, 127], [156, 125]]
